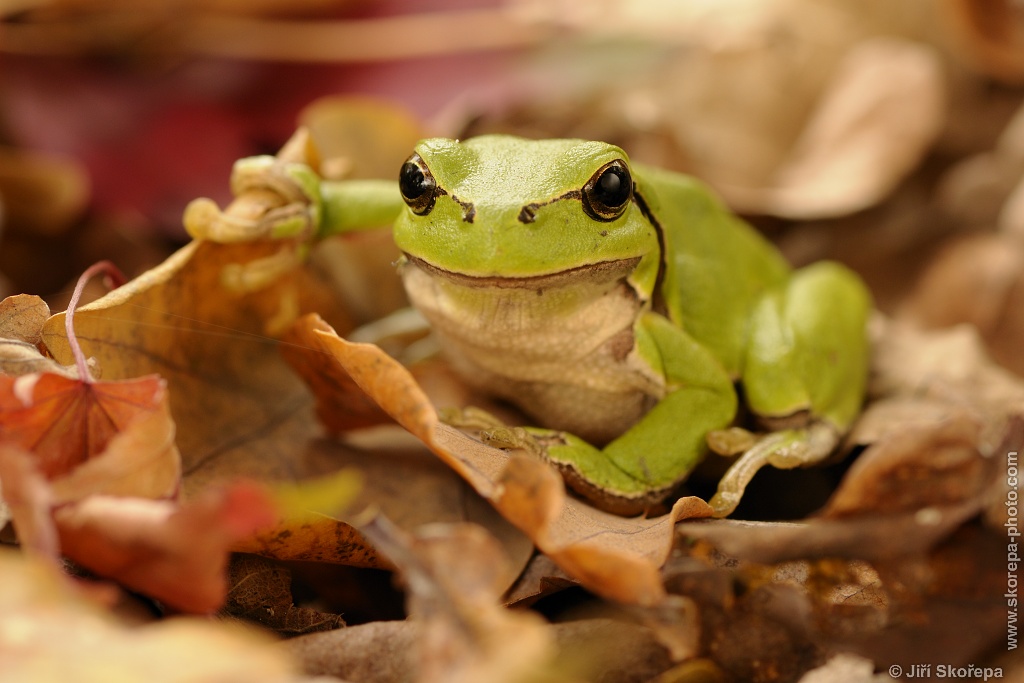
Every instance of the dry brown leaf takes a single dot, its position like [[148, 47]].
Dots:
[[991, 36], [377, 652], [174, 554], [93, 437], [42, 192], [340, 406], [22, 317], [615, 557], [541, 577], [50, 633], [919, 468], [875, 121], [950, 366], [360, 138], [917, 505], [21, 323], [260, 591], [977, 280], [21, 358], [454, 575], [382, 651], [240, 409], [27, 500]]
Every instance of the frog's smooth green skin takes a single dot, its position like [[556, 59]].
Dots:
[[618, 305]]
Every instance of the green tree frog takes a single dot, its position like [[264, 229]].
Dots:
[[622, 307]]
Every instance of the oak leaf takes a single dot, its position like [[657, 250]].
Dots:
[[454, 575], [51, 632], [240, 409], [616, 557]]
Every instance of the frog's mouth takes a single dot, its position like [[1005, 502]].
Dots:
[[603, 271]]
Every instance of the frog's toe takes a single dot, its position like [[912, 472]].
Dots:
[[784, 450]]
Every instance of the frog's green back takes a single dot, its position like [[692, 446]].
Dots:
[[716, 266]]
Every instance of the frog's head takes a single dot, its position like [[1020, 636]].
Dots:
[[497, 206]]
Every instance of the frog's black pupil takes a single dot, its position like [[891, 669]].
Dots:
[[412, 181], [612, 188], [607, 193], [610, 184]]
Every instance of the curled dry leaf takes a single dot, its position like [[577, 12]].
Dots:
[[241, 411], [86, 436], [977, 280], [360, 138], [93, 437], [22, 317], [991, 36], [175, 554], [383, 651], [26, 500], [454, 575], [51, 632], [950, 366], [615, 557], [874, 122], [904, 552]]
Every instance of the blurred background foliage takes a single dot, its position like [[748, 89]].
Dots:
[[865, 130]]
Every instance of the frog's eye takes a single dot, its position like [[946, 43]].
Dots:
[[417, 185], [607, 193]]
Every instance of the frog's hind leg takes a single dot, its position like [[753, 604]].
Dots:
[[643, 465], [808, 347], [806, 364]]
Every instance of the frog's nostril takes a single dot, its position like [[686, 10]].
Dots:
[[528, 214]]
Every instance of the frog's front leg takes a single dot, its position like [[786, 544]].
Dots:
[[639, 468], [805, 372], [284, 199]]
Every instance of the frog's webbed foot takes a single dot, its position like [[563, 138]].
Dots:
[[785, 449], [276, 197], [492, 431], [514, 438], [470, 418]]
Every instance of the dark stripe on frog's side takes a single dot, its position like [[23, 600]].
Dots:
[[658, 304]]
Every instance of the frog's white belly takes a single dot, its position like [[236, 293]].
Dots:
[[559, 347]]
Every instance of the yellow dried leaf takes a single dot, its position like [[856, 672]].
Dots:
[[240, 409], [613, 556], [50, 633]]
